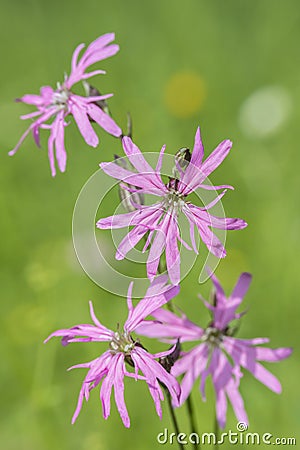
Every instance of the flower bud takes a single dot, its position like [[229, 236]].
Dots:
[[168, 361], [130, 196], [91, 91]]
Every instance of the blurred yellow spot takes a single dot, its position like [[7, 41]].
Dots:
[[184, 94]]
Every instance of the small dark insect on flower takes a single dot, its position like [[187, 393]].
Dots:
[[183, 157]]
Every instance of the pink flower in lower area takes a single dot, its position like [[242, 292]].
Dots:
[[57, 104], [218, 353], [110, 368], [160, 219]]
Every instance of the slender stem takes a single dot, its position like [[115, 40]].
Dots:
[[216, 431], [173, 417], [193, 427], [170, 306]]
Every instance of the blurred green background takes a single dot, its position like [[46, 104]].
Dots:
[[234, 68]]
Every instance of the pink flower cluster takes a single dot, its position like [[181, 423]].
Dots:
[[110, 368], [217, 352], [159, 221], [57, 104]]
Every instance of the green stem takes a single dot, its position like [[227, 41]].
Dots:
[[193, 428], [161, 269], [216, 431], [173, 417]]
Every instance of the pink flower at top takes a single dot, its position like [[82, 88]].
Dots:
[[59, 103], [161, 218], [218, 353], [110, 367]]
